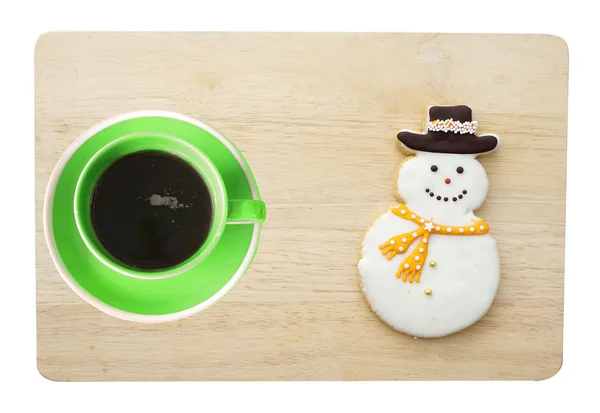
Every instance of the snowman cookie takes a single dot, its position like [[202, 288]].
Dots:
[[429, 267]]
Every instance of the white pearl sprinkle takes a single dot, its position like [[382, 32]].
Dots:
[[403, 211], [414, 234], [482, 227], [418, 267], [437, 228], [461, 230], [472, 229], [448, 229], [392, 242], [425, 241], [421, 249], [452, 125], [406, 265], [403, 239], [413, 216], [401, 249], [422, 221], [417, 258]]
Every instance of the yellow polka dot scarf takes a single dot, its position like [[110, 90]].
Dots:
[[410, 268]]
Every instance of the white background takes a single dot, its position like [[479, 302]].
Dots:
[[21, 385]]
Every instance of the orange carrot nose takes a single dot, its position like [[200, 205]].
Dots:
[[447, 180]]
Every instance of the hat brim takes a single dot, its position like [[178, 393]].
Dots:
[[448, 143]]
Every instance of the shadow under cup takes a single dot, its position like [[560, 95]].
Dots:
[[153, 206]]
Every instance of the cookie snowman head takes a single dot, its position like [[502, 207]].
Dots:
[[444, 178]]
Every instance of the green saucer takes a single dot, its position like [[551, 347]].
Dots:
[[143, 299]]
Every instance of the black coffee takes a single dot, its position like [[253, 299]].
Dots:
[[151, 210]]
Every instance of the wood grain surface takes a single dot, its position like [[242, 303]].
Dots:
[[316, 115]]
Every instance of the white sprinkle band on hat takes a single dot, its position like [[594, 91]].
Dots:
[[451, 125]]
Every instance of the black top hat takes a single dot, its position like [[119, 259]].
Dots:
[[450, 129]]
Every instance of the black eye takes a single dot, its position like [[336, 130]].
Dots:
[[434, 168], [460, 170]]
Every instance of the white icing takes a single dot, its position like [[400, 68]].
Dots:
[[466, 277]]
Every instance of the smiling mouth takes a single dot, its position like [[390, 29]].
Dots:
[[446, 199]]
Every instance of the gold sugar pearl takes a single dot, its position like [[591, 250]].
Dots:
[[432, 263], [428, 292]]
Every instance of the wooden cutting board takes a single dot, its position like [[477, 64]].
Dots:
[[316, 115]]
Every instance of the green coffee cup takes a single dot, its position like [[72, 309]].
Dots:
[[225, 211], [170, 293]]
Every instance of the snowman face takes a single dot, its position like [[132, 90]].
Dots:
[[445, 180]]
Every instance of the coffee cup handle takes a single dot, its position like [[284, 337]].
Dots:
[[243, 211]]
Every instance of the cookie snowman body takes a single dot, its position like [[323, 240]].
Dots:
[[452, 259]]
